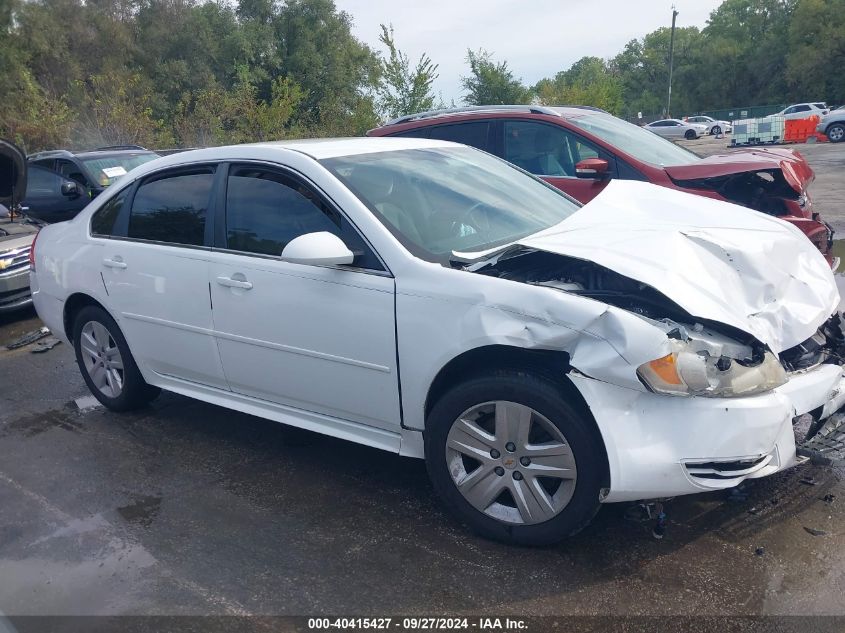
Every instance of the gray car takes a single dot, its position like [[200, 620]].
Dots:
[[832, 125], [16, 233]]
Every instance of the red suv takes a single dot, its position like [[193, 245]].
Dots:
[[578, 149]]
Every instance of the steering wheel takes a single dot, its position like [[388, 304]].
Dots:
[[467, 219]]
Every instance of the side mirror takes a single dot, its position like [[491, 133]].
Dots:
[[70, 189], [591, 168], [317, 249]]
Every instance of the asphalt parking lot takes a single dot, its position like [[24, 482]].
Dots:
[[186, 508]]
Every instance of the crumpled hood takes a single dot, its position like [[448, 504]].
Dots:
[[717, 260], [796, 170]]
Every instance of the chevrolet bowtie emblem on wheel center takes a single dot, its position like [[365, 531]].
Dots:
[[509, 462]]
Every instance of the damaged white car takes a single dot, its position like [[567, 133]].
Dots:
[[429, 299]]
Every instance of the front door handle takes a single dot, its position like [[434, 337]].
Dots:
[[229, 282], [117, 262]]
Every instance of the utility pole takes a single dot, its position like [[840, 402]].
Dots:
[[671, 60]]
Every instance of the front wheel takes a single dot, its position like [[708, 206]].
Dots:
[[690, 135], [836, 133], [513, 459], [716, 130], [106, 363]]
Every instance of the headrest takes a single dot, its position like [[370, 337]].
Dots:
[[543, 143], [374, 182]]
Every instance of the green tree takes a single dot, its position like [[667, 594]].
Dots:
[[642, 69], [744, 54], [401, 89], [588, 81], [337, 72], [117, 112], [817, 50], [491, 83]]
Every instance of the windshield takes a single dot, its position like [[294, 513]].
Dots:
[[634, 140], [107, 169], [439, 200]]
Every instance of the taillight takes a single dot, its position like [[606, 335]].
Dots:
[[32, 252]]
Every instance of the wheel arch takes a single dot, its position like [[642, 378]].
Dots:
[[73, 304], [553, 365]]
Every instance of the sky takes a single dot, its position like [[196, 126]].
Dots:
[[537, 38]]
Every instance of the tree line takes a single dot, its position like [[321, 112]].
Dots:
[[188, 73]]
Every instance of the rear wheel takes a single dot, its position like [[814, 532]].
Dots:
[[106, 363], [513, 459], [690, 135], [836, 133]]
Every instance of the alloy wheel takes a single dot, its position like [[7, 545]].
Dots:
[[510, 462], [102, 359], [836, 133]]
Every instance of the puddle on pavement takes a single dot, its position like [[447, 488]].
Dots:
[[142, 511], [32, 425]]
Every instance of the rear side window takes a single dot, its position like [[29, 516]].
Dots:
[[474, 133], [102, 222], [172, 208]]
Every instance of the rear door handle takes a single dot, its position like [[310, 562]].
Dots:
[[229, 282], [117, 262]]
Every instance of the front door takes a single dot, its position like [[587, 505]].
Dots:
[[551, 152], [320, 339]]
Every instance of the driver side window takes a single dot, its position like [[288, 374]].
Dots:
[[545, 150], [266, 209]]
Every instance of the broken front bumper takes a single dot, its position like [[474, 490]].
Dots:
[[663, 446]]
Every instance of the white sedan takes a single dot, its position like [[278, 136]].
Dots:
[[675, 128], [714, 127], [429, 299]]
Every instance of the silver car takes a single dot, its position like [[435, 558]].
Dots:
[[832, 125], [16, 233], [714, 127], [675, 128]]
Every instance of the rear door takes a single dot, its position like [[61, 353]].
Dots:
[[316, 338], [155, 240]]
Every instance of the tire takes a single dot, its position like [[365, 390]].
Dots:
[[690, 135], [836, 132], [571, 495], [106, 364], [715, 130]]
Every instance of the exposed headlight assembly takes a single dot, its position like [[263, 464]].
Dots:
[[688, 373]]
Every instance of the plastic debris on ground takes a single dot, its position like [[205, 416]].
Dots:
[[86, 403], [29, 337], [45, 345], [814, 532]]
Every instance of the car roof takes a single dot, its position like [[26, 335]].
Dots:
[[317, 149], [433, 117], [111, 153]]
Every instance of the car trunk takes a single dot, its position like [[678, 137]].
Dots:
[[12, 175]]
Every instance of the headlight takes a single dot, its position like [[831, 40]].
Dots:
[[688, 373]]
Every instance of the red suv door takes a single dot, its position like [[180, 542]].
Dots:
[[552, 152]]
